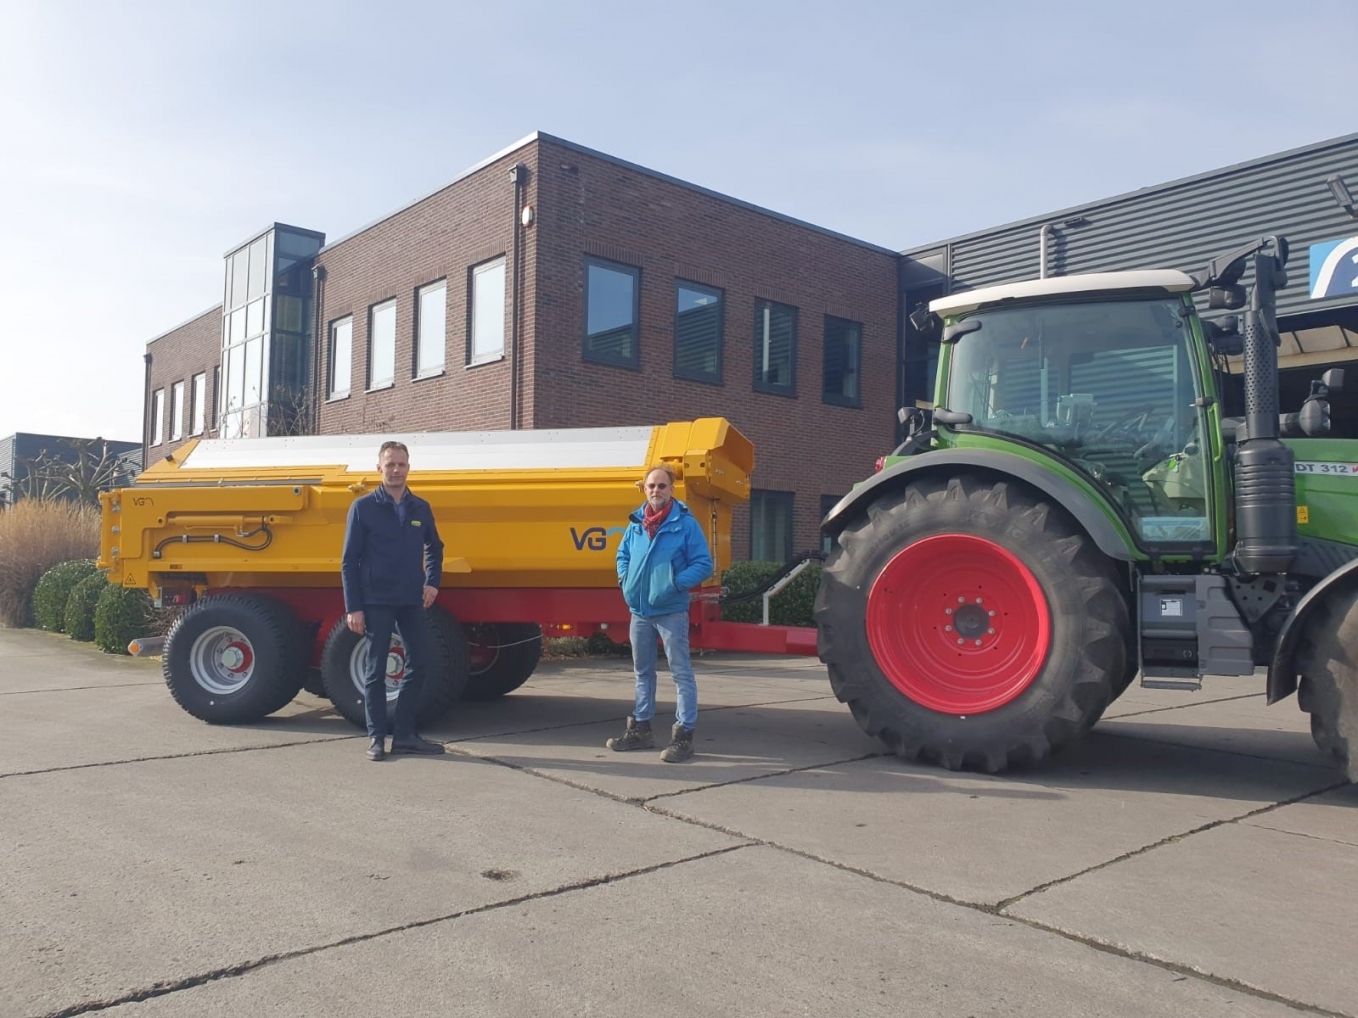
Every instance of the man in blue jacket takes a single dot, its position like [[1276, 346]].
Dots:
[[391, 567], [663, 555]]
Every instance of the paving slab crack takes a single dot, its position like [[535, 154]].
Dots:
[[77, 689], [175, 756], [1320, 764], [167, 987], [1185, 706]]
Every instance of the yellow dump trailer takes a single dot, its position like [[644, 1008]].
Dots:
[[248, 532]]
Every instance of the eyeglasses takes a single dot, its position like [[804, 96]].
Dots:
[[657, 487]]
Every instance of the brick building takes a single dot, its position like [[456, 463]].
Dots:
[[553, 286]]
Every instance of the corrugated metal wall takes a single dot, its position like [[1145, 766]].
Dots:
[[1182, 225]]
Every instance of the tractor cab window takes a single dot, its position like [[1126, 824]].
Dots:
[[1108, 386]]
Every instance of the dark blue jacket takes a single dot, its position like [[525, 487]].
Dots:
[[386, 561], [656, 575]]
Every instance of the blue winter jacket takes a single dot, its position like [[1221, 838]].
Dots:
[[387, 561], [656, 575]]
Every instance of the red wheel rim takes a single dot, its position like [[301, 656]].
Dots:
[[958, 624]]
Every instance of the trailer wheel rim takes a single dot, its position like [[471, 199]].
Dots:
[[483, 645], [958, 624], [396, 665], [222, 660]]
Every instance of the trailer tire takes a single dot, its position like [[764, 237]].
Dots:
[[503, 656], [342, 670], [232, 659], [1009, 645], [1328, 659]]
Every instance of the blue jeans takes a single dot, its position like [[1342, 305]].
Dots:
[[380, 618], [673, 631]]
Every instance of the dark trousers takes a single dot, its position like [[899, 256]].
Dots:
[[414, 628]]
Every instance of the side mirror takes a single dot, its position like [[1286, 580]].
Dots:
[[1333, 379], [1314, 418], [1227, 297], [1224, 337]]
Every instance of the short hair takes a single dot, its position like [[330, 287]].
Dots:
[[666, 468], [392, 445]]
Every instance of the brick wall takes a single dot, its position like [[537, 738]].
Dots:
[[196, 346], [593, 206]]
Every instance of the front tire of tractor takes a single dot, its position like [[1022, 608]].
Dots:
[[233, 659], [971, 623], [1329, 679], [342, 663], [503, 656]]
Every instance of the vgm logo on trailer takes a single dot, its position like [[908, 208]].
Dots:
[[1334, 268]]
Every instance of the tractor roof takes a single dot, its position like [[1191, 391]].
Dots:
[[1168, 280]]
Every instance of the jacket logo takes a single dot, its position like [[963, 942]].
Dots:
[[416, 523], [593, 538]]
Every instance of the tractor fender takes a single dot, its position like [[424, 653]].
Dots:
[[1282, 671], [1110, 539]]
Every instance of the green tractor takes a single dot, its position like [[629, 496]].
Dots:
[[1079, 508]]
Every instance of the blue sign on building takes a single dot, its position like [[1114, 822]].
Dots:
[[1334, 268]]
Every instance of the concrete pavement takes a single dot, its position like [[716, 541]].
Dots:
[[1194, 855]]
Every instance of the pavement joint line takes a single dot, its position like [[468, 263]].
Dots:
[[996, 910], [1318, 765], [176, 756], [1184, 706], [163, 989], [77, 689], [1167, 840], [1311, 837], [761, 777]]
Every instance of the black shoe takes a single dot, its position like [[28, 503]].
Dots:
[[680, 747], [636, 736], [415, 744], [375, 750]]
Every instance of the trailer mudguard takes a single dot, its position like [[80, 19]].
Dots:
[[1110, 539], [1282, 670]]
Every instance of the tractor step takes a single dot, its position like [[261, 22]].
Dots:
[[1188, 683]]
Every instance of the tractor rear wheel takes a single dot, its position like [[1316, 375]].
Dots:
[[233, 659], [1329, 679], [503, 656], [968, 622]]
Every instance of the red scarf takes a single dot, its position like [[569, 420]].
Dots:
[[653, 518]]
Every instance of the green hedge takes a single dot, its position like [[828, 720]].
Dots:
[[122, 615], [791, 606], [54, 589], [80, 606]]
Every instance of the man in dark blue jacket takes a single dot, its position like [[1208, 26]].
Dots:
[[391, 567], [663, 555]]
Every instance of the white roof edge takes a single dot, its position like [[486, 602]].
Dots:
[[1170, 280]]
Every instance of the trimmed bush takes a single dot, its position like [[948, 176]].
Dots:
[[80, 606], [122, 615], [53, 590], [34, 536], [792, 606]]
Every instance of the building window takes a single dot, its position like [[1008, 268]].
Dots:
[[843, 362], [697, 332], [612, 292], [197, 402], [430, 338], [216, 394], [176, 411], [341, 356], [828, 502], [770, 526], [382, 345], [487, 312], [775, 348], [158, 417]]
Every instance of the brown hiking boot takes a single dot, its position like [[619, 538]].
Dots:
[[637, 736], [680, 747]]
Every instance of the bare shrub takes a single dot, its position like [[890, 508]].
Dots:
[[35, 535]]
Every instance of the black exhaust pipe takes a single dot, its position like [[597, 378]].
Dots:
[[1265, 480]]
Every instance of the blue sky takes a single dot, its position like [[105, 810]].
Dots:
[[142, 139]]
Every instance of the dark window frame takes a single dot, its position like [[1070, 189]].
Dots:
[[828, 542], [767, 495], [836, 398], [633, 362], [789, 390], [709, 378]]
